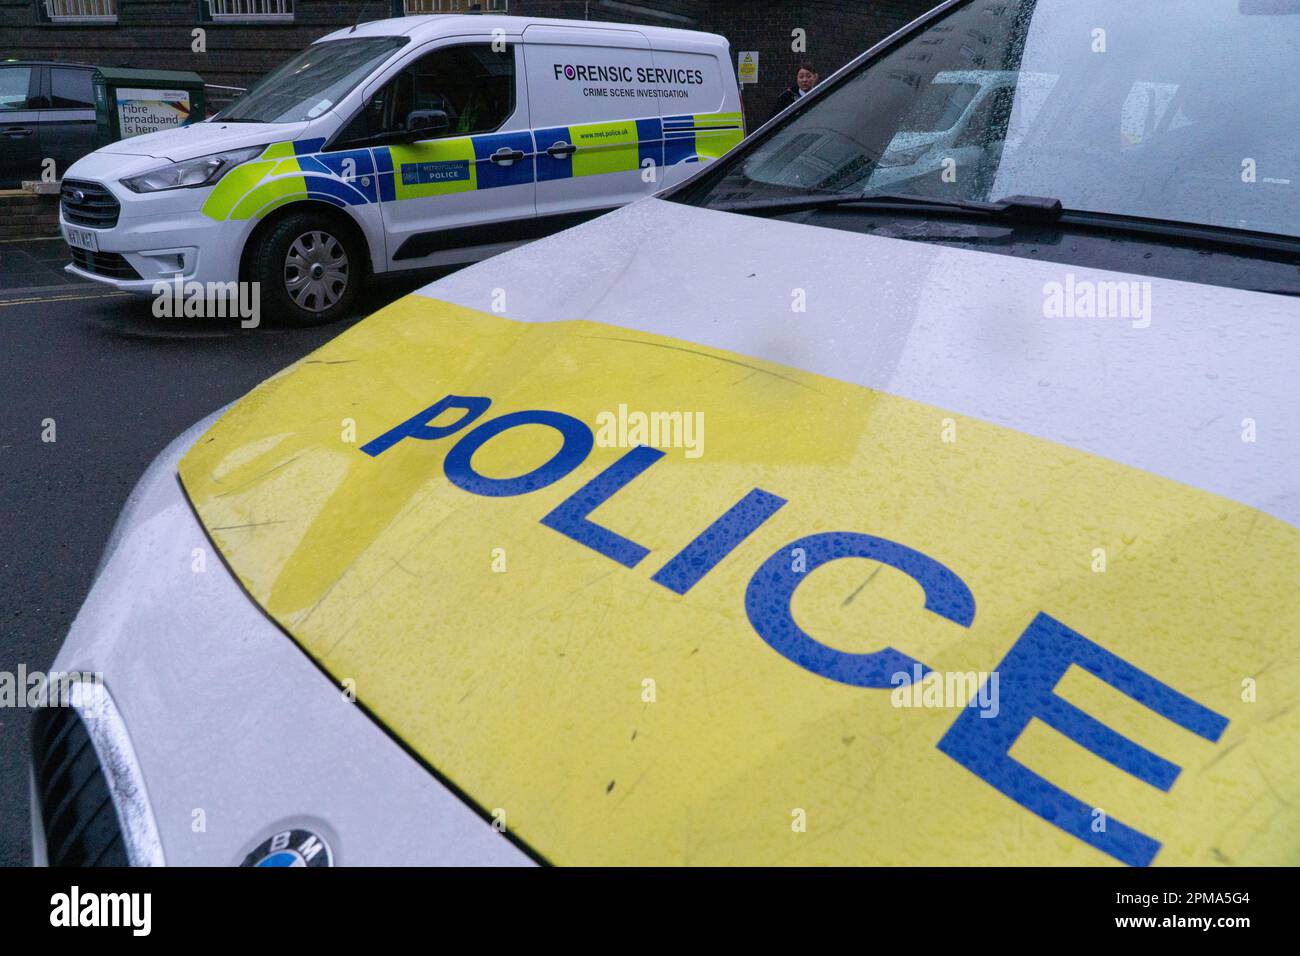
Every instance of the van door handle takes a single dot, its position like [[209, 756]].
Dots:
[[16, 131], [506, 155], [559, 150]]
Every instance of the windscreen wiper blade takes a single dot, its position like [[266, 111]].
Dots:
[[1030, 210], [1012, 208]]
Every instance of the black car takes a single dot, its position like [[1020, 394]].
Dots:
[[47, 111]]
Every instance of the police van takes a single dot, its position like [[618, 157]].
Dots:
[[399, 144]]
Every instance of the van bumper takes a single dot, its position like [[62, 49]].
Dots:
[[138, 253]]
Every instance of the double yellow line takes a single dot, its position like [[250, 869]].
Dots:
[[59, 298]]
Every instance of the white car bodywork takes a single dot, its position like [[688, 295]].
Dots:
[[227, 715], [251, 730]]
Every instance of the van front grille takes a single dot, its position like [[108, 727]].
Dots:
[[110, 264], [88, 204]]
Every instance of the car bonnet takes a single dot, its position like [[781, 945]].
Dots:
[[202, 139], [914, 570]]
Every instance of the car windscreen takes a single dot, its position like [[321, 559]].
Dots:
[[313, 82], [1186, 112]]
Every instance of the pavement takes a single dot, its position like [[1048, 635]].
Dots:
[[119, 385], [33, 263]]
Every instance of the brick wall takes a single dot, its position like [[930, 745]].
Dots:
[[24, 216], [156, 34], [836, 32], [684, 14]]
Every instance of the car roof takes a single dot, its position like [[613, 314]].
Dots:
[[452, 24]]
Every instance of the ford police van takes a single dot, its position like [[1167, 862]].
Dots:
[[403, 143], [777, 520]]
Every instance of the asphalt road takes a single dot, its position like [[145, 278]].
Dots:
[[119, 384]]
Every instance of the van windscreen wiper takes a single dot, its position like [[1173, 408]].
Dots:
[[1016, 208]]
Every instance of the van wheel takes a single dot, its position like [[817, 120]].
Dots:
[[309, 269]]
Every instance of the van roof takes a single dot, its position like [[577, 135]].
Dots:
[[452, 24]]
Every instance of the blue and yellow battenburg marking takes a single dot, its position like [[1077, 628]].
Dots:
[[294, 171], [702, 137], [290, 172], [680, 657]]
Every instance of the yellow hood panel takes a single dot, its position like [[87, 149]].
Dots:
[[607, 718]]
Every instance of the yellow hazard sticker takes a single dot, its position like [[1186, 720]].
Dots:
[[649, 602]]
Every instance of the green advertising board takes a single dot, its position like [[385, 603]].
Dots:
[[134, 102]]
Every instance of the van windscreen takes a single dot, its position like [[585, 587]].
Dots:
[[312, 82]]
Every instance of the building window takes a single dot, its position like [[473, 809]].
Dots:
[[413, 8], [219, 11], [80, 11]]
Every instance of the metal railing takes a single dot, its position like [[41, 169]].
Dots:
[[219, 97], [413, 8], [81, 11], [250, 9]]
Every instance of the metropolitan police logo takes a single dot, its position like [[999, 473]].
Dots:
[[292, 848]]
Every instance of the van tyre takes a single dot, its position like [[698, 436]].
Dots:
[[309, 269]]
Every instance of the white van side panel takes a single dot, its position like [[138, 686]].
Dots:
[[595, 116], [580, 75], [690, 82], [705, 121]]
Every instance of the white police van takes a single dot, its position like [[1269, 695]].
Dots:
[[404, 143]]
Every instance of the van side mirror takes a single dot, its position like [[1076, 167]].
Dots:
[[427, 122]]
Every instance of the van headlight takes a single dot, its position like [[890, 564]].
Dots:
[[201, 171]]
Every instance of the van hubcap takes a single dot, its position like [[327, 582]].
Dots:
[[316, 271]]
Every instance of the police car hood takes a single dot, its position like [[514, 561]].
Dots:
[[688, 537], [201, 139]]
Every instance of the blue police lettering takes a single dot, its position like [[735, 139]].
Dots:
[[717, 541], [459, 468], [771, 589], [570, 518], [1028, 674], [417, 426]]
